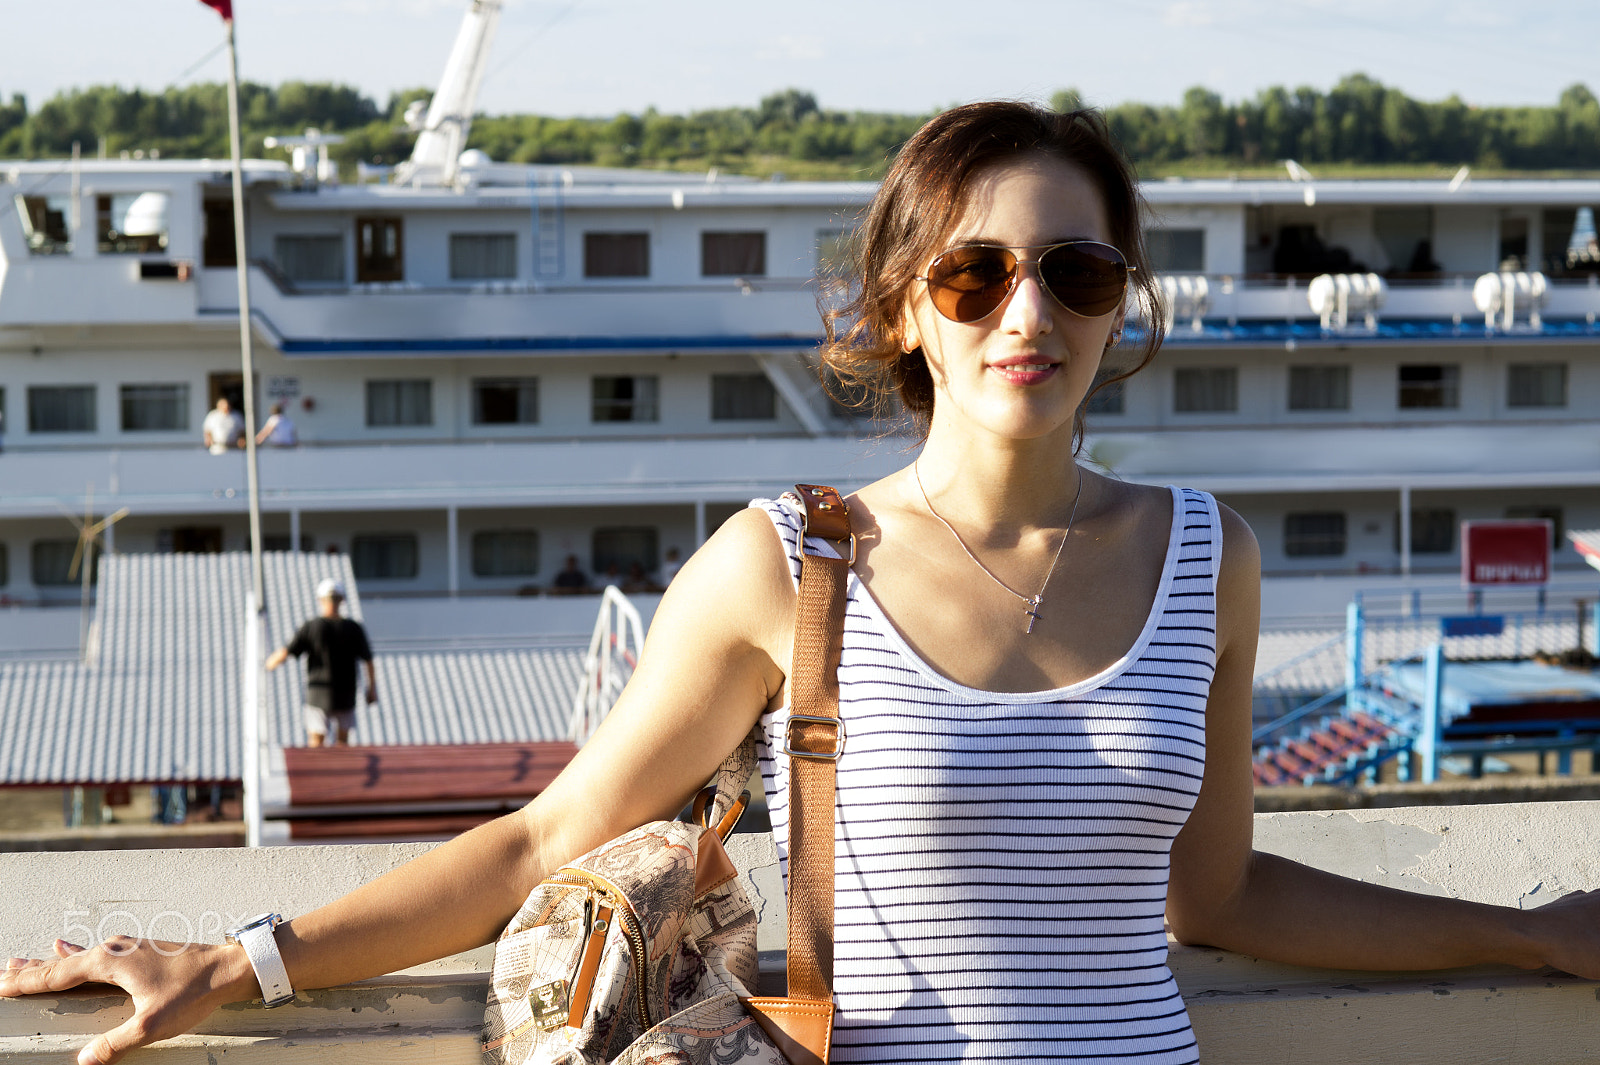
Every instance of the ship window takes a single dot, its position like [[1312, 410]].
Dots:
[[402, 402], [1433, 531], [1317, 534], [380, 251], [483, 256], [384, 556], [742, 397], [5, 567], [505, 553], [1107, 396], [1319, 388], [728, 254], [61, 409], [1177, 251], [217, 245], [616, 255], [1536, 384], [1430, 386], [1406, 236], [311, 258], [505, 400], [2, 412], [155, 408], [1535, 513], [625, 399], [281, 542], [44, 223], [131, 222], [618, 550], [52, 563], [836, 250], [1205, 389]]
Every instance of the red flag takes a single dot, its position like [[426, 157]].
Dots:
[[224, 8]]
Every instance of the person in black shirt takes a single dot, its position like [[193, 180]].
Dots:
[[332, 644]]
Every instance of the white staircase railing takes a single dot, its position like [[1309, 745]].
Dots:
[[613, 653]]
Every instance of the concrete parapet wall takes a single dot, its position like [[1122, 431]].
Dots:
[[1244, 1010]]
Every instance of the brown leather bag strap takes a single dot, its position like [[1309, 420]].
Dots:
[[814, 740]]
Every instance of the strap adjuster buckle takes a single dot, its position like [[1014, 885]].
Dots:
[[792, 751]]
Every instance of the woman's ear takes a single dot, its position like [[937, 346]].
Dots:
[[910, 338]]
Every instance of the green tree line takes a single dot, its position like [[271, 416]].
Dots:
[[1358, 122]]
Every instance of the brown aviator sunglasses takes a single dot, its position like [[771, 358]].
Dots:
[[970, 281]]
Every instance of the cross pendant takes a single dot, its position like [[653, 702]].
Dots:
[[1032, 612]]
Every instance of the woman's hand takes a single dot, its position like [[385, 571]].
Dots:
[[1566, 933], [174, 986]]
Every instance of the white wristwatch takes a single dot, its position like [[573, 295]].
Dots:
[[260, 943]]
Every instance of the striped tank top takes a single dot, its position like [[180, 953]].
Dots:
[[1002, 858]]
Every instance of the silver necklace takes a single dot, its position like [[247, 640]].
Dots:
[[1031, 603]]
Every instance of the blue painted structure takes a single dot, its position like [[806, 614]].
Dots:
[[1427, 706]]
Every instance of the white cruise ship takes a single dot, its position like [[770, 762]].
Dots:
[[491, 368]]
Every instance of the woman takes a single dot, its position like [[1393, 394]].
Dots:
[[1046, 685]]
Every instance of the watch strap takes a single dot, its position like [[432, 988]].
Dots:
[[260, 943]]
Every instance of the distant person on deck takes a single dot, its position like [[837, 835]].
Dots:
[[278, 430], [571, 580], [332, 644], [223, 428]]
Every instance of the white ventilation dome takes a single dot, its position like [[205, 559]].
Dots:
[[474, 159], [146, 216]]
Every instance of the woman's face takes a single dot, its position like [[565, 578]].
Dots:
[[1021, 371]]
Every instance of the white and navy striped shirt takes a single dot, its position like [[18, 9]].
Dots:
[[1002, 857]]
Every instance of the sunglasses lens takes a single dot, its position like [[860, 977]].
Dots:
[[1088, 278], [968, 283]]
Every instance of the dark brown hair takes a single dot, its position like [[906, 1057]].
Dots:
[[916, 206]]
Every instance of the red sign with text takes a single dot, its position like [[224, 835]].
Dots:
[[1505, 552]]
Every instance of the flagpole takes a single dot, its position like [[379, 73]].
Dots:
[[242, 268]]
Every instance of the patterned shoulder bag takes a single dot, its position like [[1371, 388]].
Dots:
[[644, 949]]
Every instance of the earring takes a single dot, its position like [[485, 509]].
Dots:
[[1113, 340]]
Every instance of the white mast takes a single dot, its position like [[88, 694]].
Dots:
[[444, 132]]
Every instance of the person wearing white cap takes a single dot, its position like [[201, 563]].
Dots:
[[332, 644]]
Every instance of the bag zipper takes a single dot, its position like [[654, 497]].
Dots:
[[606, 894]]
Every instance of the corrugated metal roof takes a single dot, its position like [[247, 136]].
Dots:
[[161, 699]]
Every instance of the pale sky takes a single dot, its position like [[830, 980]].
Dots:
[[599, 57]]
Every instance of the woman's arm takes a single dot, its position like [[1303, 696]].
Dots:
[[1226, 895], [710, 666]]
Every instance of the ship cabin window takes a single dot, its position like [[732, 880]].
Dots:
[[155, 408], [505, 553], [483, 256], [217, 247], [384, 556], [61, 409], [625, 399], [1315, 534], [1205, 390], [408, 401], [2, 412], [1319, 388], [836, 252], [1176, 251], [1431, 386], [1540, 513], [44, 223], [733, 254], [380, 251], [1406, 236], [1106, 396], [281, 542], [1433, 531], [53, 563], [618, 550], [616, 255], [747, 397], [310, 258], [5, 567], [505, 401], [1536, 384], [131, 223]]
